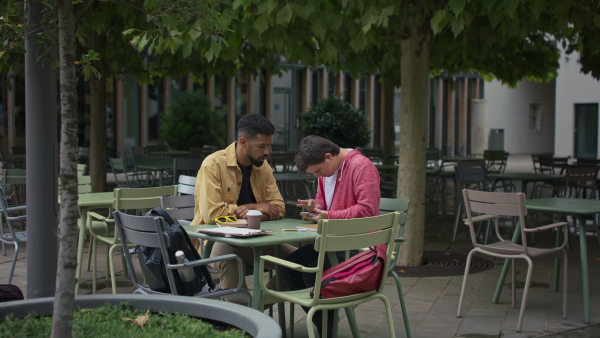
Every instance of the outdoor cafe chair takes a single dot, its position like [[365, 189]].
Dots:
[[149, 231], [338, 235], [388, 205], [12, 237], [495, 161], [187, 185], [132, 179], [186, 166], [487, 206], [134, 199]]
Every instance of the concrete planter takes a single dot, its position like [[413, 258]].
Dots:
[[255, 323]]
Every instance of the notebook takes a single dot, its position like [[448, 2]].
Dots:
[[234, 232]]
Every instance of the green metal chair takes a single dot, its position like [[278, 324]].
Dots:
[[16, 179], [338, 235], [388, 205], [132, 179], [136, 199]]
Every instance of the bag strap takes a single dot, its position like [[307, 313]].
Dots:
[[160, 211]]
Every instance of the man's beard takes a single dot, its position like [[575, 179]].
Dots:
[[255, 161]]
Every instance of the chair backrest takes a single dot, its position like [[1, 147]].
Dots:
[[479, 203], [387, 205], [283, 162], [152, 148], [376, 155], [588, 162], [471, 163], [179, 207], [186, 166], [495, 160], [187, 185], [580, 179], [119, 168], [201, 152], [8, 218], [433, 158], [549, 164], [349, 234], [81, 169], [145, 231], [84, 184], [470, 176], [139, 150], [141, 198]]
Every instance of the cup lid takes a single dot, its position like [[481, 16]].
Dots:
[[254, 213]]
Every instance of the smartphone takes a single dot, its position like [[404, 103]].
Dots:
[[311, 214]]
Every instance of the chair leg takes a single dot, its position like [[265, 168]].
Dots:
[[458, 212], [111, 263], [351, 319], [525, 293], [94, 264], [291, 330], [309, 323], [388, 312], [464, 284], [565, 288], [402, 303], [14, 263], [513, 279]]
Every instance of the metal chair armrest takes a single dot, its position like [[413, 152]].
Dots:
[[546, 227]]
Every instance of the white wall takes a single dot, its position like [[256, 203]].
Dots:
[[571, 87], [508, 109]]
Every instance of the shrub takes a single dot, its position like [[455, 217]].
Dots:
[[192, 122], [337, 120]]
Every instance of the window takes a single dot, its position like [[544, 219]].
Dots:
[[535, 117]]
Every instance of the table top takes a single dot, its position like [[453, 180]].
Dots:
[[155, 166], [561, 205], [525, 176], [278, 236], [170, 152], [293, 177]]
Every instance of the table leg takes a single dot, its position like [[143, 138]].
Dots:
[[257, 296], [584, 269], [515, 239], [279, 284], [82, 228]]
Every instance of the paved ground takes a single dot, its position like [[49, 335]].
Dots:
[[432, 301]]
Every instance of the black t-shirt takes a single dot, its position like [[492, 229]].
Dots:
[[246, 194]]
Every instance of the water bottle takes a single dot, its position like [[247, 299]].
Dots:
[[186, 274]]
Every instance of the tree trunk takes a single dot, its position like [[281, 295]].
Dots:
[[389, 134], [414, 63], [67, 258], [98, 118]]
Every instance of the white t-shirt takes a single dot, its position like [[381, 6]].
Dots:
[[330, 181]]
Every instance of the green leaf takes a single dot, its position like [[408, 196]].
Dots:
[[457, 6], [457, 26], [285, 15], [329, 52], [488, 5], [195, 30], [261, 24], [511, 6], [437, 24], [208, 55], [537, 7], [359, 42], [187, 49]]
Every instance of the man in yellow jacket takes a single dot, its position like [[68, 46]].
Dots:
[[235, 180]]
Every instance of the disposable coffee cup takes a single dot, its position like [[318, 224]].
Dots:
[[254, 217]]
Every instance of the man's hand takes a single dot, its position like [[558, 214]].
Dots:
[[322, 214], [270, 211], [309, 205]]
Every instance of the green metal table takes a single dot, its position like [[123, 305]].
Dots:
[[577, 208], [525, 178], [277, 237]]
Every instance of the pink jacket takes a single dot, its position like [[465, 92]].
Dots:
[[357, 191]]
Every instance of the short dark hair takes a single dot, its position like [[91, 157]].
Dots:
[[312, 150], [253, 124]]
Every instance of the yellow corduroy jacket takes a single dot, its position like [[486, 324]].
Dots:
[[218, 186]]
